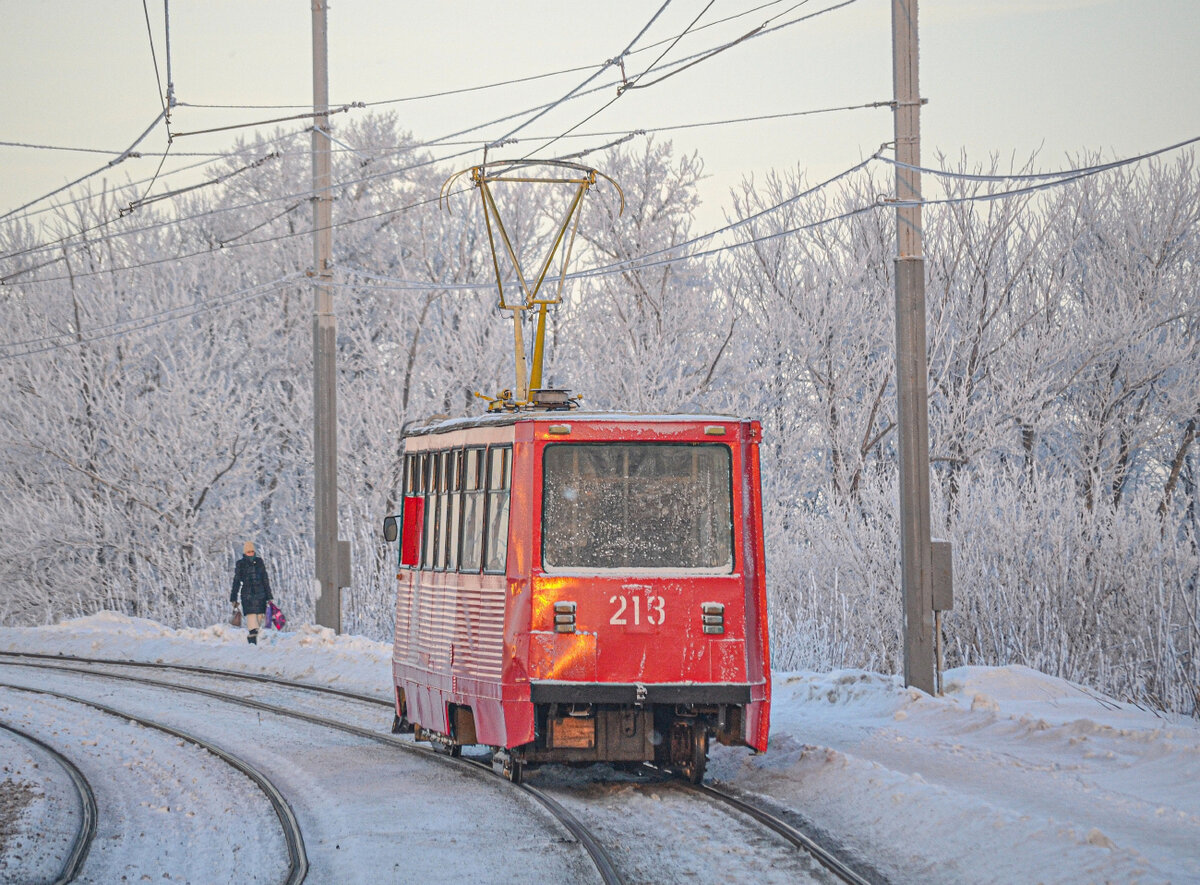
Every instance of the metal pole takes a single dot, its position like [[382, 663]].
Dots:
[[912, 373], [329, 607]]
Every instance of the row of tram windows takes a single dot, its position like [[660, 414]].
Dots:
[[466, 491]]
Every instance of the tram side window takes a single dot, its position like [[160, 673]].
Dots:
[[430, 464], [472, 511], [452, 510], [411, 486], [443, 489], [496, 534]]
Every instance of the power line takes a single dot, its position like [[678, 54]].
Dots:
[[445, 93], [213, 158], [308, 116], [622, 135], [1064, 177], [125, 155], [664, 255], [542, 108], [154, 55], [1039, 176], [84, 150], [142, 323], [61, 241], [618, 59], [685, 63], [658, 258]]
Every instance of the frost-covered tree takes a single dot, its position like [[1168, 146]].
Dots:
[[155, 387]]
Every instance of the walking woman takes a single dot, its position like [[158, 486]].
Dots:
[[250, 581]]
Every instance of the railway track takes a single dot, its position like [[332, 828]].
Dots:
[[86, 831], [784, 829], [600, 857], [596, 852], [293, 838]]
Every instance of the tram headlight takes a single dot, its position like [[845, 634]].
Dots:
[[564, 617], [712, 617]]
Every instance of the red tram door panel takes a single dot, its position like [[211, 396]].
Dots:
[[412, 521]]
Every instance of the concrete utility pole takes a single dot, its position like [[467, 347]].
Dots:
[[912, 370], [332, 556]]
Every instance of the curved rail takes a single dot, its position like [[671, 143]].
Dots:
[[87, 800], [786, 830], [596, 852], [600, 856], [297, 857], [203, 671]]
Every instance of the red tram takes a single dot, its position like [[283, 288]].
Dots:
[[582, 587]]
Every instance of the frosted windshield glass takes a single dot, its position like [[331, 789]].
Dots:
[[637, 506]]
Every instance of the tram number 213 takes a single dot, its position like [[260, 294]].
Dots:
[[637, 610]]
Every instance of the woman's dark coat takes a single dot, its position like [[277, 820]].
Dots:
[[250, 578]]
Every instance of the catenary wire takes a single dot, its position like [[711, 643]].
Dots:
[[618, 267], [641, 261], [129, 152], [1069, 177], [622, 135], [481, 87], [390, 172], [149, 321], [479, 126], [4, 280], [212, 159], [689, 61], [625, 84], [86, 150], [119, 159], [609, 270], [615, 60], [154, 55], [1040, 176]]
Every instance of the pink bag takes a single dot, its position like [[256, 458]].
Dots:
[[275, 617]]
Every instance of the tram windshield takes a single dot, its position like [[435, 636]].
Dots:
[[637, 506]]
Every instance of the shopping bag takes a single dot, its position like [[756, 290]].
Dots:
[[275, 617]]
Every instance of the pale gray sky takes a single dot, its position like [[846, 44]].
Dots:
[[1002, 76]]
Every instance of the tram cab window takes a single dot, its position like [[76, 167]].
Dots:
[[472, 511], [644, 506], [499, 469]]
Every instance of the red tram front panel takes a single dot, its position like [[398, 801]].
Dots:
[[632, 576]]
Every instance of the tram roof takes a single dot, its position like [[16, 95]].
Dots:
[[503, 419]]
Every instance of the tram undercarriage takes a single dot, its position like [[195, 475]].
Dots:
[[671, 734]]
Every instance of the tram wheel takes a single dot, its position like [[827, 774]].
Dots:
[[693, 768]]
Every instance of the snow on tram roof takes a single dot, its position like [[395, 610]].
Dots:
[[441, 424]]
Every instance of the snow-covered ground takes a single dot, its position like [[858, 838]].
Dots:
[[1013, 776]]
